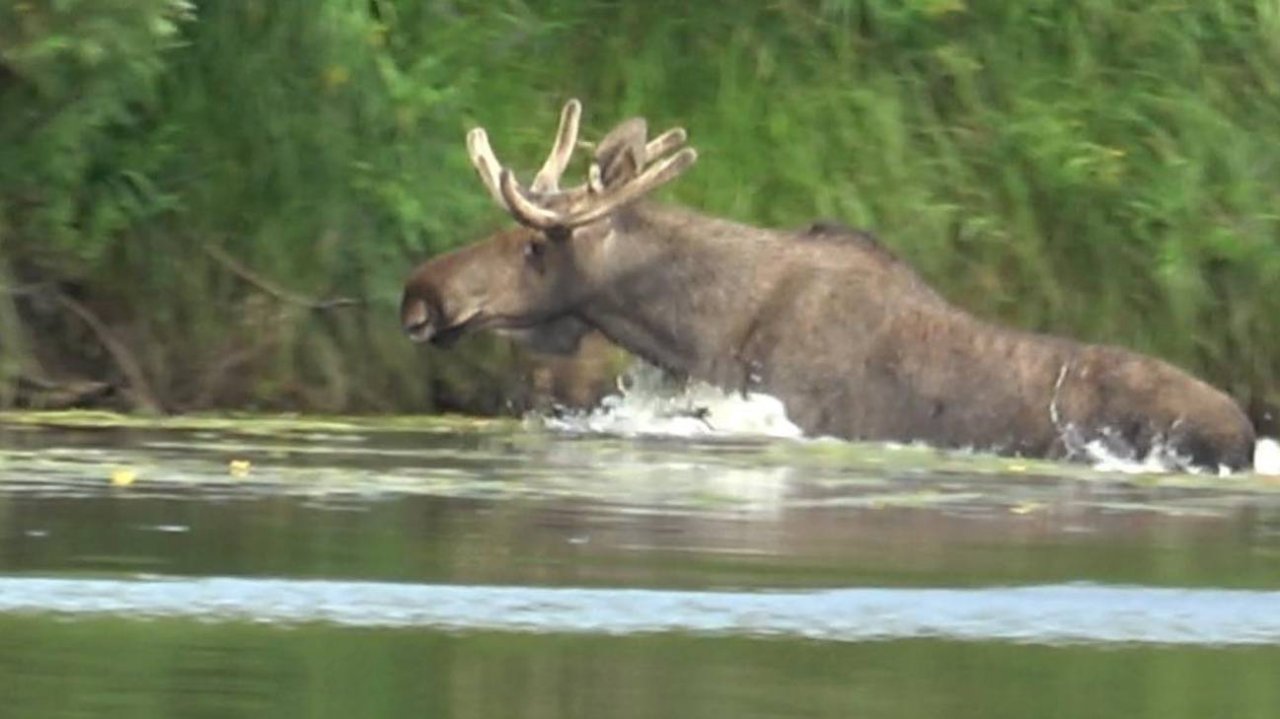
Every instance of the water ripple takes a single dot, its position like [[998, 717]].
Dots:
[[1051, 614]]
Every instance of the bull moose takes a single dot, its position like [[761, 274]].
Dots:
[[825, 318]]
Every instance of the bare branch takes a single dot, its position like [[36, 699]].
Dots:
[[32, 288], [273, 289], [139, 390]]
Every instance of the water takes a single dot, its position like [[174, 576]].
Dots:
[[1041, 615], [410, 567]]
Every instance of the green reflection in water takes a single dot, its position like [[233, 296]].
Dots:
[[478, 502], [558, 543], [180, 669]]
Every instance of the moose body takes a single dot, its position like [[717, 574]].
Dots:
[[848, 336]]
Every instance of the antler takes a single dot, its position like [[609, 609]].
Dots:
[[548, 178], [631, 169]]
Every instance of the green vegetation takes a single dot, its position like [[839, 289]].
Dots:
[[184, 186]]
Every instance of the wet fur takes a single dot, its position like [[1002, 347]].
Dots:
[[846, 334], [827, 319]]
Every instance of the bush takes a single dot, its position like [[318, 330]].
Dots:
[[193, 178]]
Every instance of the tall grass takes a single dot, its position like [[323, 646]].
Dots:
[[1107, 169]]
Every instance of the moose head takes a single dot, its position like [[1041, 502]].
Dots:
[[528, 280]]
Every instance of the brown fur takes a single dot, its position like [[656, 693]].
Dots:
[[829, 321]]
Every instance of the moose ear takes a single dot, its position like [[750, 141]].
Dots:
[[620, 155]]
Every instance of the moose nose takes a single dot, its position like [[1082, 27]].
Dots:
[[417, 322], [418, 331]]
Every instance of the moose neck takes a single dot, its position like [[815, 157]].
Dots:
[[670, 283]]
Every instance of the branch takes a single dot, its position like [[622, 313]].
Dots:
[[272, 288], [124, 359], [32, 288]]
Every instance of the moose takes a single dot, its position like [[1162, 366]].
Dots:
[[825, 318]]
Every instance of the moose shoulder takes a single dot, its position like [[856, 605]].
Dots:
[[848, 336]]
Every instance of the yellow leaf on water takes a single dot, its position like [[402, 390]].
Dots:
[[239, 467], [123, 477]]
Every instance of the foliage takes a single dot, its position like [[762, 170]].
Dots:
[[71, 72], [1106, 169]]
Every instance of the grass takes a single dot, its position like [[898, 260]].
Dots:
[[1107, 170]]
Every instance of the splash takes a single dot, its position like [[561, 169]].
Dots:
[[1163, 459], [1266, 456], [649, 403]]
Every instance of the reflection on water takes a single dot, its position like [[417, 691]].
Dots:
[[1041, 615], [485, 569], [188, 669]]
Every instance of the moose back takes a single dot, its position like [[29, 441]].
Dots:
[[826, 319]]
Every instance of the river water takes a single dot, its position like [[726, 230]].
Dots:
[[570, 567]]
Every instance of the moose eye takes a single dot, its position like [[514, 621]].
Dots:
[[533, 253]]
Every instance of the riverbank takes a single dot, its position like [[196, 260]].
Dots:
[[213, 207]]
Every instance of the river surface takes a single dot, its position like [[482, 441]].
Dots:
[[282, 567]]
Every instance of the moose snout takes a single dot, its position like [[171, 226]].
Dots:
[[419, 331], [415, 318]]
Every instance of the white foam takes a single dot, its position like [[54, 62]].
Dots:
[[1266, 456], [1161, 459], [648, 404]]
